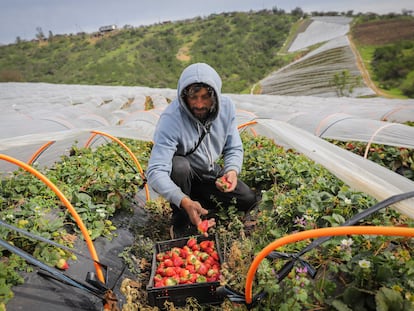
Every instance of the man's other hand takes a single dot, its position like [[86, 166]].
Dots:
[[227, 182]]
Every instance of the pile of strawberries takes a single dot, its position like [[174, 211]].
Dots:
[[192, 263]]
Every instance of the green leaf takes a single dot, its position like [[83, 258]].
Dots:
[[352, 295], [388, 299], [384, 273], [340, 306], [81, 197]]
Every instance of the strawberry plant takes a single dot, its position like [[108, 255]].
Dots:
[[96, 195], [357, 272], [397, 159]]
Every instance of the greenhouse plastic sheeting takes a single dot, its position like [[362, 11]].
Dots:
[[36, 113], [313, 74], [321, 29], [356, 171], [344, 119]]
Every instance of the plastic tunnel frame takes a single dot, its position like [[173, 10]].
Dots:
[[247, 124], [134, 158], [39, 152], [373, 136], [68, 205], [322, 232]]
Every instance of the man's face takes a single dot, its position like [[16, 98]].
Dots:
[[200, 103]]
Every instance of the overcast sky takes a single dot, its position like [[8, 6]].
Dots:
[[21, 18]]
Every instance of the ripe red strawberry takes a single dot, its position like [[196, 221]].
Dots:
[[191, 242], [62, 264], [167, 255], [168, 262], [206, 244], [178, 262], [202, 269], [185, 274], [224, 182], [212, 279], [203, 226], [210, 261], [214, 255], [169, 271], [193, 277], [185, 251]]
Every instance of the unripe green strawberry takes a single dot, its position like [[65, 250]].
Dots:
[[62, 264], [170, 281], [201, 279]]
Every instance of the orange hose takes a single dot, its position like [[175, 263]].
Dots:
[[134, 158], [246, 124], [40, 151], [346, 230], [68, 205]]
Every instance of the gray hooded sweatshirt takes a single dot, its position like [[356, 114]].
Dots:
[[178, 132]]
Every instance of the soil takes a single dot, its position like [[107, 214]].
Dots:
[[183, 54], [383, 32]]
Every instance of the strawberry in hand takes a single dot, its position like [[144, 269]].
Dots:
[[223, 183], [204, 225]]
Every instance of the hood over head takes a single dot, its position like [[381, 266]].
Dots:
[[199, 73]]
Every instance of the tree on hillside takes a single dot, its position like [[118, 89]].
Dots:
[[277, 11], [297, 12], [345, 83], [393, 66], [407, 12], [50, 38], [40, 35]]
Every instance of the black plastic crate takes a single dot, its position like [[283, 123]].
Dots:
[[205, 293]]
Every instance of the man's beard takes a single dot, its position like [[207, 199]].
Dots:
[[201, 114]]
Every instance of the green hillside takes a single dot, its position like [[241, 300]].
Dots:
[[242, 46]]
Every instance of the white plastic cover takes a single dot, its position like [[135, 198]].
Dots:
[[35, 113]]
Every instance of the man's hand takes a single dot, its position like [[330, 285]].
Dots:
[[227, 182], [193, 209]]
